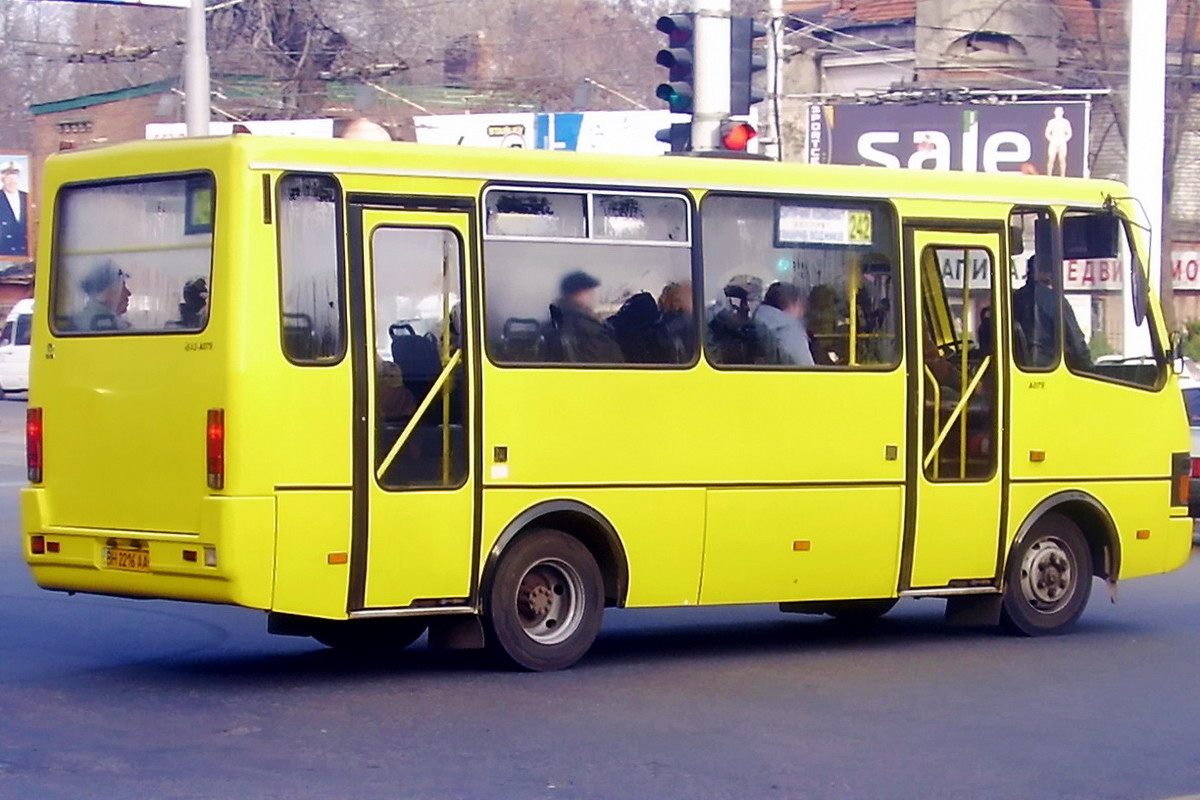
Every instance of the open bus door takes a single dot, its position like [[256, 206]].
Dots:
[[955, 468], [413, 466]]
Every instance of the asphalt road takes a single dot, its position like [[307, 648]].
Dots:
[[109, 698]]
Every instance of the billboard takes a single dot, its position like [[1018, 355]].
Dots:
[[308, 128], [14, 206], [150, 3], [630, 133], [1034, 138]]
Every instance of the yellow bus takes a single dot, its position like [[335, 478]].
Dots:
[[376, 389]]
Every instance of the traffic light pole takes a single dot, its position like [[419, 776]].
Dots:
[[195, 72], [770, 121], [712, 73]]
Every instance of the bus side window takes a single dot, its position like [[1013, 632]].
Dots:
[[6, 338], [1107, 325], [589, 278], [312, 316], [1036, 297], [778, 270]]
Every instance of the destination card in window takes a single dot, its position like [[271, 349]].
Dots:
[[800, 225]]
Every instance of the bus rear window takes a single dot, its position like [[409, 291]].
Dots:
[[134, 257]]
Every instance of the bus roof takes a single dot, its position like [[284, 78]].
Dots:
[[346, 157]]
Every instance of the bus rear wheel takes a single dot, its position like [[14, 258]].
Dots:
[[545, 603], [1049, 579], [370, 637]]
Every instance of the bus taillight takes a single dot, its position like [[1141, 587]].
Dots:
[[1196, 467], [215, 438], [33, 444], [1183, 467]]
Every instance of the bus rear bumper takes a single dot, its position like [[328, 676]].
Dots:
[[1179, 542], [229, 560]]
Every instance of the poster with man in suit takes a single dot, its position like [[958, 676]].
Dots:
[[14, 205]]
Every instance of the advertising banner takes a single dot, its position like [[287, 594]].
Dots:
[[1034, 138], [308, 128], [629, 133], [14, 206], [150, 3]]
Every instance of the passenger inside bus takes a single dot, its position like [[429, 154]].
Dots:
[[584, 336], [779, 327], [679, 319], [828, 337], [662, 331], [194, 308], [731, 333], [107, 299], [1035, 309]]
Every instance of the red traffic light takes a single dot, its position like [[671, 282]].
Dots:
[[680, 28], [736, 135]]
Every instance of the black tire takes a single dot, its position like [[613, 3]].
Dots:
[[860, 611], [370, 636], [544, 602], [1048, 579]]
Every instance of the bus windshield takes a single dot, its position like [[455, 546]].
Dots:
[[134, 257]]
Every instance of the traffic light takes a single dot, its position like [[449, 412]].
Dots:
[[678, 136], [679, 57], [735, 135], [744, 61]]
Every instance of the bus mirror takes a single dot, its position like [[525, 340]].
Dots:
[[1177, 365], [1140, 294], [1091, 236]]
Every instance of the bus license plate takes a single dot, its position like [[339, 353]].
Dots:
[[130, 560]]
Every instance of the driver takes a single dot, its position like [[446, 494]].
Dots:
[[1035, 310]]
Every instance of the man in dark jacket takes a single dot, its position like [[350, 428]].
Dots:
[[1036, 309], [14, 214], [586, 338]]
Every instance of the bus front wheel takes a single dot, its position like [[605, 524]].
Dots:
[[1048, 580], [545, 602]]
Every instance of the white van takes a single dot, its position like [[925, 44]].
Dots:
[[14, 348]]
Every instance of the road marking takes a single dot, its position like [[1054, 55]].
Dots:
[[13, 484]]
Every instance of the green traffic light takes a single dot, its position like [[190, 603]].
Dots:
[[678, 96]]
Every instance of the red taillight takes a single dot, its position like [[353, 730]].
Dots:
[[1196, 467], [33, 444], [215, 437], [37, 545]]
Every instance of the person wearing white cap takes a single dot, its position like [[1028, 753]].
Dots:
[[14, 213]]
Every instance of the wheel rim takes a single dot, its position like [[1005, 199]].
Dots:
[[550, 599], [1048, 575]]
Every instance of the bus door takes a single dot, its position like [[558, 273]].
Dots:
[[954, 531], [413, 482]]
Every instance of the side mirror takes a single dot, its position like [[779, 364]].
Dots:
[[1140, 292], [1176, 353]]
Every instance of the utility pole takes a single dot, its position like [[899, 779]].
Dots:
[[712, 73], [771, 124], [1147, 112], [195, 72]]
